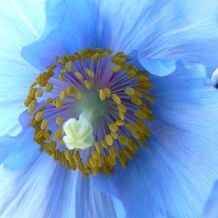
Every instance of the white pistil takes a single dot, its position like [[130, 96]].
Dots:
[[78, 133]]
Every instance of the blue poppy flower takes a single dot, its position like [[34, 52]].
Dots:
[[95, 103]]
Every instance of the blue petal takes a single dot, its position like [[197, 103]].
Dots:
[[175, 32], [17, 28], [185, 30], [173, 175], [33, 183], [50, 191], [16, 77], [14, 149], [211, 207], [70, 27], [158, 67]]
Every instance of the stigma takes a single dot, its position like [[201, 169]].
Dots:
[[78, 133], [90, 110]]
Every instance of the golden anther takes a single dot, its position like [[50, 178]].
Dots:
[[119, 122], [109, 139], [69, 65], [63, 94], [38, 93], [116, 98], [122, 108], [90, 73], [31, 107], [61, 61], [49, 87], [141, 114], [118, 60], [28, 101], [32, 92], [39, 115], [58, 103], [129, 91], [116, 68], [142, 78], [95, 57], [113, 127], [87, 84], [114, 135], [79, 96], [131, 74], [107, 92], [136, 100], [104, 144], [121, 115], [78, 75], [67, 154], [70, 90], [44, 124], [113, 152], [123, 140], [58, 134], [49, 100], [59, 120], [97, 147], [102, 94]]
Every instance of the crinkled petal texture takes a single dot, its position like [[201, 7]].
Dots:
[[34, 185], [20, 24], [211, 207], [159, 31], [173, 175]]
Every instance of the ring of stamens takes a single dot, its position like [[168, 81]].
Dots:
[[122, 138]]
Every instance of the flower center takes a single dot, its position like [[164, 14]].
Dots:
[[90, 110]]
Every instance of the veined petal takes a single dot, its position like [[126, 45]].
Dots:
[[16, 76], [70, 27], [24, 18], [184, 30], [180, 30], [20, 23], [211, 207], [34, 185], [163, 179]]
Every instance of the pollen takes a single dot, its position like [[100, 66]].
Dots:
[[90, 110]]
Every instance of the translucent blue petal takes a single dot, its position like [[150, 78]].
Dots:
[[14, 149], [184, 30], [16, 77], [33, 183], [175, 32], [50, 192], [173, 175], [17, 28], [158, 67], [211, 207], [70, 27]]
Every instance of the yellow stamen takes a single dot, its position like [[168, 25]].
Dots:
[[78, 75], [109, 139], [49, 87], [129, 91], [87, 84], [59, 121], [116, 98], [90, 73], [44, 124]]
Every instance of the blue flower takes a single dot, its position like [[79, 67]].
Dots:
[[92, 103]]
